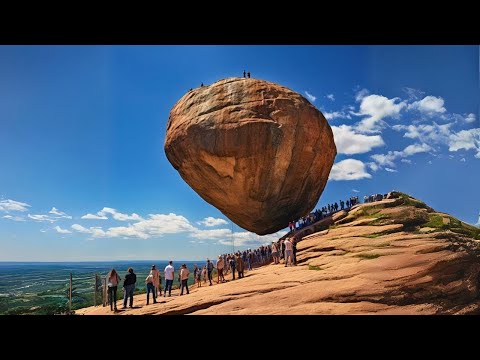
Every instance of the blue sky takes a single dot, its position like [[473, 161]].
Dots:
[[83, 174]]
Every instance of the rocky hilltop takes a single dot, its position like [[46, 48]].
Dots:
[[257, 151], [395, 256]]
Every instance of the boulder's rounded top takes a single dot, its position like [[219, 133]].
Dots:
[[258, 151]]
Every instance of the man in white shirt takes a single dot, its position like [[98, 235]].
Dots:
[[169, 275]]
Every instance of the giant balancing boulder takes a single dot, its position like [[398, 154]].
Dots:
[[257, 151]]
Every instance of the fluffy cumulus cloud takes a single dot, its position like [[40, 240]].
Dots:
[[466, 140], [336, 115], [59, 214], [388, 159], [12, 205], [310, 97], [62, 231], [158, 225], [350, 142], [116, 215], [349, 169], [429, 105], [211, 221], [432, 134], [469, 118], [376, 108]]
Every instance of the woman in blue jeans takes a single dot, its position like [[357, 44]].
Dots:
[[113, 279]]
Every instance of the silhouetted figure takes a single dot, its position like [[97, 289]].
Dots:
[[201, 85], [190, 89], [248, 74], [244, 73]]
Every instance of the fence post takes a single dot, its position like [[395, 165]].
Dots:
[[95, 291], [70, 294], [105, 300]]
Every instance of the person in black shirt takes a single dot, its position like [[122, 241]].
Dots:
[[129, 287]]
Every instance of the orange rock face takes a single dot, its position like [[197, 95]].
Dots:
[[257, 151]]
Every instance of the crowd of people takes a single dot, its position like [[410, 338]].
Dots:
[[230, 263], [321, 213], [330, 209]]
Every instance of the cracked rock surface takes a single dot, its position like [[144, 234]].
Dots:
[[257, 151]]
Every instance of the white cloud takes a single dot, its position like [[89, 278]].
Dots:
[[426, 133], [12, 205], [62, 231], [390, 170], [14, 218], [211, 234], [355, 191], [310, 97], [430, 162], [330, 97], [211, 221], [469, 118], [349, 169], [94, 217], [349, 142], [80, 228], [377, 107], [252, 240], [384, 160], [102, 215], [407, 161], [60, 214], [373, 166], [43, 230], [466, 140], [429, 105], [415, 149], [463, 160], [336, 114], [41, 218], [361, 94]]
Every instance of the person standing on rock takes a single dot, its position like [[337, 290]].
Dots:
[[156, 281], [231, 260], [248, 74], [113, 279], [239, 264], [288, 251], [204, 274], [129, 287], [244, 73], [294, 250], [220, 266], [275, 253], [169, 273], [150, 288], [184, 272], [209, 270]]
